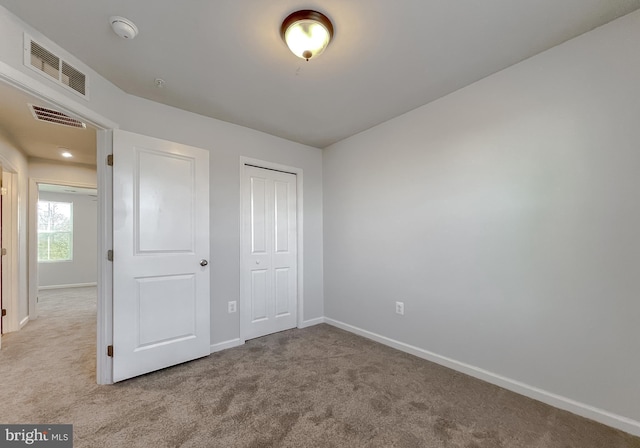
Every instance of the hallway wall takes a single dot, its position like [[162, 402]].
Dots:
[[82, 268]]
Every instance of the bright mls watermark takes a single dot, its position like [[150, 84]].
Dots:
[[45, 436]]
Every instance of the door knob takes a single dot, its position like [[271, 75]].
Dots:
[[203, 262]]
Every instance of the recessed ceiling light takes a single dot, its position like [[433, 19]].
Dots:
[[66, 154]]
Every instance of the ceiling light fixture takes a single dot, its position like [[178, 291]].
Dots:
[[66, 154], [307, 33]]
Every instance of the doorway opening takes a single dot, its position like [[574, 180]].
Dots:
[[26, 283], [67, 236]]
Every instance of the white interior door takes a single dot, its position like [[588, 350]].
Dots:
[[269, 279], [161, 250]]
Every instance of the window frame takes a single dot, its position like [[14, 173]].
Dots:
[[51, 232]]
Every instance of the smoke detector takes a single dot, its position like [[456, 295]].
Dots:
[[124, 28]]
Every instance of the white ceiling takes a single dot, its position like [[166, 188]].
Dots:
[[41, 139], [225, 58]]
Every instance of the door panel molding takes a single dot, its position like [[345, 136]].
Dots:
[[161, 286], [257, 163]]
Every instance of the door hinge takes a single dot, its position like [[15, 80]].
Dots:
[[3, 251], [110, 255], [4, 312], [3, 191], [110, 351], [110, 160]]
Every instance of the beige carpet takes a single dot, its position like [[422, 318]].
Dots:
[[318, 387]]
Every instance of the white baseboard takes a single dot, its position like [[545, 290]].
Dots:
[[73, 285], [225, 345], [24, 322], [236, 342], [311, 322], [558, 401]]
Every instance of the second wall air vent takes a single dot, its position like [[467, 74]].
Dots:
[[44, 61], [55, 116]]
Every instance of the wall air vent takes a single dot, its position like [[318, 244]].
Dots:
[[45, 61], [73, 78], [54, 116], [58, 70]]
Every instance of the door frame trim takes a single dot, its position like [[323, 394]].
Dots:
[[35, 87], [300, 234]]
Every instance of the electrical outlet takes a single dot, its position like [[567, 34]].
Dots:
[[232, 307], [400, 308]]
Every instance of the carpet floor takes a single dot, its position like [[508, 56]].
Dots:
[[317, 387]]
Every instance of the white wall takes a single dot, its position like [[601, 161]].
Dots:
[[227, 143], [47, 171], [82, 269], [506, 217]]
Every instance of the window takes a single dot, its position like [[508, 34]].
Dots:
[[55, 231]]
